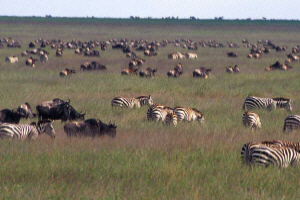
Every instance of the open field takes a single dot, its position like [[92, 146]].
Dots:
[[148, 160]]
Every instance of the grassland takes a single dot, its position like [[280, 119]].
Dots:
[[148, 160]]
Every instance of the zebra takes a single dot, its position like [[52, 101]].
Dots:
[[132, 102], [25, 131], [248, 147], [280, 157], [252, 102], [252, 120], [188, 114], [171, 117], [150, 110], [291, 123]]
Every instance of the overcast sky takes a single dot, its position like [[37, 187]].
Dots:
[[203, 9]]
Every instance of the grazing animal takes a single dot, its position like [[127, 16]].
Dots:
[[291, 123], [25, 109], [191, 56], [67, 72], [12, 59], [138, 102], [202, 72], [25, 131], [129, 71], [248, 147], [44, 58], [252, 102], [150, 110], [59, 52], [63, 112], [252, 120], [232, 54], [176, 55], [90, 127], [281, 157], [31, 62], [148, 72], [10, 116], [188, 114], [278, 66], [229, 70]]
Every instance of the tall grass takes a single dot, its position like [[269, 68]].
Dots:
[[148, 160]]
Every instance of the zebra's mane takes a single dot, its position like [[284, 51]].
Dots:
[[280, 99], [142, 97], [194, 109]]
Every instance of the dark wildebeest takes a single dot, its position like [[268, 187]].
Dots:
[[202, 72], [67, 72], [31, 62], [129, 71], [148, 72], [58, 111], [25, 109], [90, 127], [10, 116], [232, 54]]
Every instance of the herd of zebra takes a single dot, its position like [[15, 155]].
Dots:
[[158, 112], [278, 153]]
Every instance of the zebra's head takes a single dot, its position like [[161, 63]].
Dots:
[[288, 106], [199, 115], [150, 101], [47, 127]]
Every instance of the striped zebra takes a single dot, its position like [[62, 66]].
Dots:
[[171, 117], [252, 102], [188, 114], [251, 120], [25, 131], [150, 110], [291, 123], [248, 147], [280, 157], [124, 102]]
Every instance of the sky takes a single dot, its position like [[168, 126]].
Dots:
[[202, 9]]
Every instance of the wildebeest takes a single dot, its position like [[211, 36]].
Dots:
[[234, 69], [191, 56], [31, 62], [278, 66], [67, 72], [26, 111], [61, 112], [148, 72], [58, 52], [177, 71], [12, 59], [129, 71], [202, 72], [232, 54], [90, 127], [10, 116], [44, 58]]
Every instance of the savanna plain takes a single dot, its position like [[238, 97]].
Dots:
[[148, 160]]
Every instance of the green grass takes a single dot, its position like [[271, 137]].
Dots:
[[148, 160]]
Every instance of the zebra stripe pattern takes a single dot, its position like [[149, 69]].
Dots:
[[132, 102], [188, 114], [150, 110], [291, 123], [251, 120], [25, 131], [248, 147], [280, 157], [252, 102], [171, 117]]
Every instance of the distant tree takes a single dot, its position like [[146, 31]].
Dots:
[[264, 18], [192, 18], [131, 17], [48, 16]]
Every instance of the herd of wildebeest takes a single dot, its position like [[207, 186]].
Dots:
[[278, 153]]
